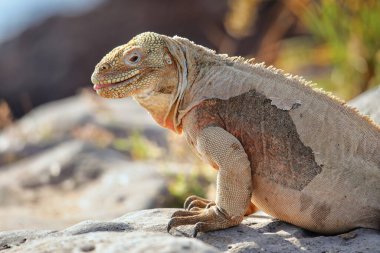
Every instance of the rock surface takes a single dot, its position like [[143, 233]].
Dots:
[[145, 231], [60, 164], [77, 116], [92, 184], [368, 103]]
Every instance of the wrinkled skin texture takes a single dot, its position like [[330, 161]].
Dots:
[[278, 145], [144, 69]]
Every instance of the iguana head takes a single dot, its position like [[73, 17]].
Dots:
[[141, 66], [145, 69]]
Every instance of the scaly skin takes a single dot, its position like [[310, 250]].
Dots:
[[144, 69], [296, 153], [130, 69]]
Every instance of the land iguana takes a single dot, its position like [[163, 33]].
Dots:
[[279, 145]]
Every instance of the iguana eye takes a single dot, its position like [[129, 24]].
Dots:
[[132, 58]]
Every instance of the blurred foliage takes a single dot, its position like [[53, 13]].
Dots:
[[135, 144], [241, 16], [349, 33], [337, 45], [183, 185], [196, 177], [138, 146]]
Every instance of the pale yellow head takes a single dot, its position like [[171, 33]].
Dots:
[[141, 66]]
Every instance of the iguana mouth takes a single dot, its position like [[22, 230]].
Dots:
[[117, 82]]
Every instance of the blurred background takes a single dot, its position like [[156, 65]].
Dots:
[[68, 155]]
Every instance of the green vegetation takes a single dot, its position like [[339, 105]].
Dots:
[[339, 46], [197, 182], [349, 32], [138, 146]]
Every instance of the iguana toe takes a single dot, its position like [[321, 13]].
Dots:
[[184, 213], [204, 220], [200, 226], [195, 201], [199, 204]]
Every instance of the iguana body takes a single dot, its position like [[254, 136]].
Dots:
[[278, 144]]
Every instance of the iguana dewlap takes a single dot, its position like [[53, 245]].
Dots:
[[294, 152]]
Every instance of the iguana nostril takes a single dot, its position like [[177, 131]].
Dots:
[[104, 67]]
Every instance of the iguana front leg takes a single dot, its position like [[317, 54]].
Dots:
[[234, 183]]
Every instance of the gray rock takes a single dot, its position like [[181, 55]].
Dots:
[[76, 181], [114, 242], [368, 103], [53, 123], [17, 237], [96, 226], [145, 231], [55, 177], [60, 163], [137, 232]]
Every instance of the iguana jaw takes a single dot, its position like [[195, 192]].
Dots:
[[117, 82], [121, 85]]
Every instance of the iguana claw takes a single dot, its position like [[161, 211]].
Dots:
[[195, 201], [168, 227], [203, 219], [199, 227]]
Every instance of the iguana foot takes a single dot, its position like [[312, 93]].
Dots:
[[209, 219], [197, 202]]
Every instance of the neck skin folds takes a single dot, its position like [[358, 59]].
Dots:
[[159, 100]]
